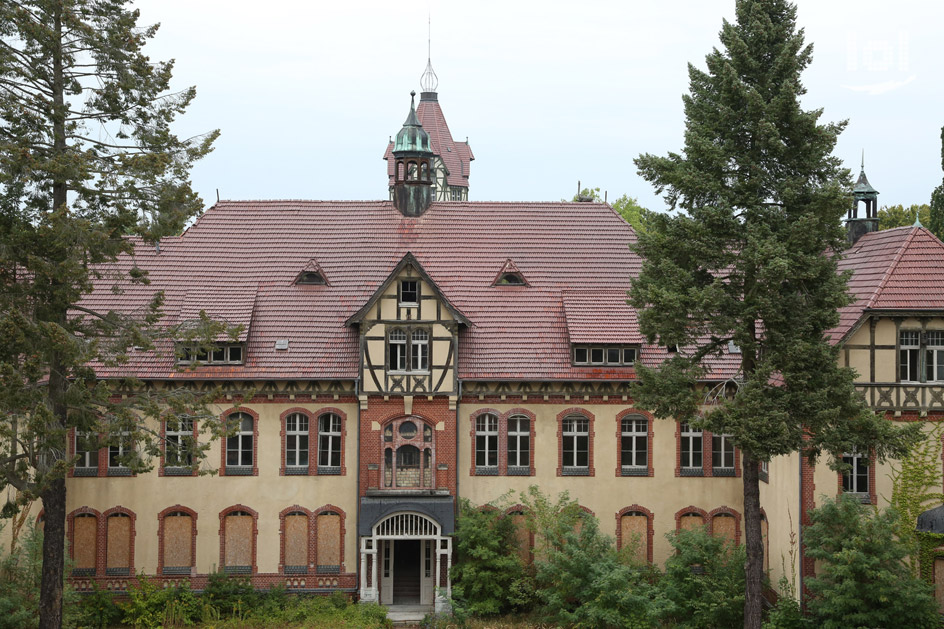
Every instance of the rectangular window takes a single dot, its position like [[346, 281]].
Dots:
[[722, 455], [690, 449], [606, 355], [329, 443], [909, 342], [486, 443], [634, 442], [419, 350], [934, 357], [581, 356], [397, 350], [221, 355], [856, 480], [178, 444], [519, 443], [576, 445], [596, 355], [409, 292], [239, 453], [86, 448], [118, 454], [296, 443]]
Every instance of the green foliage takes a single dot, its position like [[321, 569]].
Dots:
[[584, 583], [633, 213], [588, 194], [488, 576], [936, 214], [861, 580], [703, 585], [914, 481], [892, 216], [229, 593], [20, 573], [98, 610]]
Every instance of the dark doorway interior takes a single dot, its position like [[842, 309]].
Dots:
[[406, 572]]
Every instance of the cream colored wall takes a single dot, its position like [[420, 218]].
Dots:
[[268, 494], [780, 499], [605, 493]]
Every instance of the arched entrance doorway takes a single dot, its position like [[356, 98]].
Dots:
[[404, 560]]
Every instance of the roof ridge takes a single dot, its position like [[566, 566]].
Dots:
[[891, 267]]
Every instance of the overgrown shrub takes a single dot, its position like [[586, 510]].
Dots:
[[231, 595], [703, 584], [98, 610], [488, 577], [20, 576], [862, 581]]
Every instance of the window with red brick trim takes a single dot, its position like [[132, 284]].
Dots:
[[701, 453], [575, 438], [634, 442], [179, 437], [859, 480], [691, 450], [297, 541], [297, 446], [330, 443], [690, 518], [502, 443], [177, 540], [634, 526], [238, 540], [240, 449], [725, 522], [119, 542], [84, 541], [329, 539]]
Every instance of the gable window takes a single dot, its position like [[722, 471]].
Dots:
[[409, 292], [519, 445], [296, 444], [178, 446], [329, 444], [239, 447], [634, 445], [690, 450], [722, 455], [909, 344], [856, 479], [419, 350], [86, 448], [934, 357], [486, 444], [575, 445], [616, 355]]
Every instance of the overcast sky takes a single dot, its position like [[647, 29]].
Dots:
[[306, 94]]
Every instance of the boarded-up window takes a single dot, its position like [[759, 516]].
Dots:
[[118, 545], [634, 528], [723, 525], [329, 542], [522, 537], [178, 543], [766, 541], [296, 543], [84, 544], [237, 528], [691, 521], [939, 582]]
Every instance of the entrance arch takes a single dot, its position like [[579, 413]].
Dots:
[[406, 560]]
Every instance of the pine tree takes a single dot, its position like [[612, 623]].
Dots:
[[936, 218], [87, 158], [761, 199]]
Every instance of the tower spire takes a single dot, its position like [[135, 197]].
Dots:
[[429, 81]]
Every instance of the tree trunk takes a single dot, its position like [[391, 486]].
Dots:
[[754, 564], [54, 541]]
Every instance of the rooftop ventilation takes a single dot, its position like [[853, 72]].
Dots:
[[509, 275], [281, 344]]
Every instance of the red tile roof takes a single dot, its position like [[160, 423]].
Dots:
[[601, 317], [894, 269], [250, 252], [455, 155]]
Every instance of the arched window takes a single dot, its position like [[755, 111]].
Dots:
[[575, 445], [329, 443], [486, 444], [635, 532], [177, 527], [84, 544], [408, 454], [329, 542], [690, 519], [240, 447], [724, 525], [296, 443], [634, 445], [119, 542], [239, 541], [295, 536]]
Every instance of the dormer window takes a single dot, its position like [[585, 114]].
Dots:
[[613, 355], [409, 292], [510, 279], [312, 278], [408, 349], [219, 355]]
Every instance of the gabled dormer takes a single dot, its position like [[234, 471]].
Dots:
[[311, 275], [509, 275], [409, 335]]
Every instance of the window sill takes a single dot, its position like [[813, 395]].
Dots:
[[118, 471], [516, 470], [296, 471], [329, 471], [239, 470], [634, 471], [692, 471], [575, 471], [117, 572], [486, 471], [329, 569], [410, 372], [237, 569], [176, 570], [85, 471], [723, 471], [178, 471], [296, 569], [83, 572], [864, 498]]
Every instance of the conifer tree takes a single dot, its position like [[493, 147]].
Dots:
[[936, 218], [760, 200], [87, 158]]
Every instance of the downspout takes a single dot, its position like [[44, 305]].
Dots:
[[800, 529], [357, 491]]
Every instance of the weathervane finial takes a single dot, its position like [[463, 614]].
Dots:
[[429, 81], [863, 160]]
